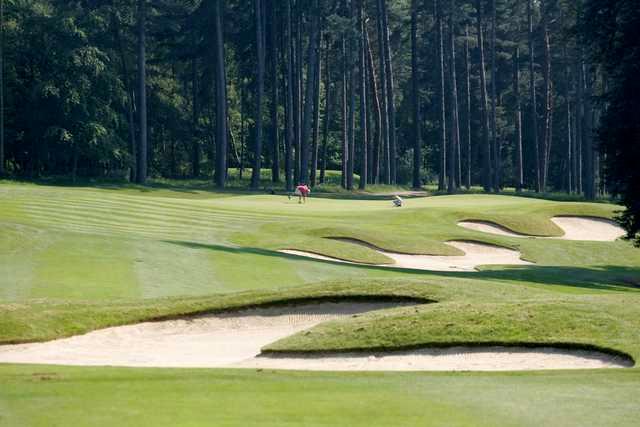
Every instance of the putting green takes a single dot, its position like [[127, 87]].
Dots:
[[79, 259]]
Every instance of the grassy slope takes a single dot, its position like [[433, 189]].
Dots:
[[77, 259]]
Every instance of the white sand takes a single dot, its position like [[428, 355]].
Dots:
[[446, 359], [476, 254], [574, 227], [594, 229], [205, 341], [235, 339], [489, 227]]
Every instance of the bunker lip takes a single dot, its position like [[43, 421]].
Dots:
[[235, 340], [574, 227], [474, 254], [439, 357]]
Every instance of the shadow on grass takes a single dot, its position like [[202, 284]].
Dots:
[[606, 278]]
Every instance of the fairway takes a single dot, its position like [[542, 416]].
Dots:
[[80, 259]]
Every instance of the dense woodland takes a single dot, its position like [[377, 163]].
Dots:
[[495, 93]]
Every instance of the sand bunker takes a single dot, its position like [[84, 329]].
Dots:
[[205, 341], [234, 340], [583, 228], [446, 359], [476, 254], [574, 227]]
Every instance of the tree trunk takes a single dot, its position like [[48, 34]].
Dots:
[[467, 66], [580, 123], [222, 124], [327, 111], [518, 121], [260, 42], [309, 94], [391, 106], [316, 116], [375, 101], [126, 78], [141, 174], [588, 149], [290, 127], [299, 95], [386, 175], [533, 100], [548, 100], [242, 131], [442, 182], [275, 134], [454, 139], [495, 148], [486, 158], [2, 156], [415, 96], [362, 77], [568, 123], [195, 143], [352, 102], [345, 118]]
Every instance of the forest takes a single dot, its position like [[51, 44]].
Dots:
[[491, 93]]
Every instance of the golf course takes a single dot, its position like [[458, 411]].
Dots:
[[549, 341], [314, 213]]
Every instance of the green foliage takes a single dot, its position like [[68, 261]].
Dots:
[[611, 31]]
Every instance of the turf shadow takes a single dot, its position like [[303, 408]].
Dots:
[[605, 278]]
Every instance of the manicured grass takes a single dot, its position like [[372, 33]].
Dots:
[[75, 259], [45, 396]]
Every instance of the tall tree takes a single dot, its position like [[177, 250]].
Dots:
[[141, 175], [327, 110], [568, 122], [316, 116], [2, 167], [275, 125], [609, 32], [345, 114], [351, 76], [442, 181], [260, 53], [518, 120], [391, 106], [310, 94], [588, 149], [195, 116], [222, 124], [532, 96], [362, 81], [377, 141], [386, 131], [415, 97], [484, 119], [296, 52], [495, 149], [467, 67], [289, 109], [579, 119], [545, 147], [454, 140]]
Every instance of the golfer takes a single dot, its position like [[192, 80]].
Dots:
[[397, 201], [302, 191]]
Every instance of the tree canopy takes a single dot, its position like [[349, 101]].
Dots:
[[498, 93]]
